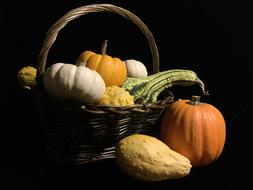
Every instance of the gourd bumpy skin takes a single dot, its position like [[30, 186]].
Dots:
[[27, 77], [147, 89], [149, 159], [116, 96]]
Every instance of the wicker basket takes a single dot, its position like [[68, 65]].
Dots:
[[82, 133]]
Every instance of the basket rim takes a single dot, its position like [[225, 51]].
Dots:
[[42, 99]]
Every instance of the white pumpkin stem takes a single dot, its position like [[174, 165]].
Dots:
[[104, 47]]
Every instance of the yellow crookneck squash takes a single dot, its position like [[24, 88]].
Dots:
[[111, 69]]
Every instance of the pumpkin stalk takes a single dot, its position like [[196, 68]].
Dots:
[[104, 47], [195, 100]]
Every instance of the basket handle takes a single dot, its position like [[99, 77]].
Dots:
[[52, 33]]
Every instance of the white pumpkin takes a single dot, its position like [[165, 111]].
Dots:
[[67, 81], [135, 68]]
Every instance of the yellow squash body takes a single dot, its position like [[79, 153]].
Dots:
[[149, 159]]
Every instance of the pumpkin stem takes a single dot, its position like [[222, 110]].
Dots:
[[195, 100], [104, 47]]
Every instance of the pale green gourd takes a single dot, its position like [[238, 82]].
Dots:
[[147, 89]]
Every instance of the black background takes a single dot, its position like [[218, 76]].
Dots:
[[211, 38]]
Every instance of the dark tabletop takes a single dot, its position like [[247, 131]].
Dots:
[[211, 38]]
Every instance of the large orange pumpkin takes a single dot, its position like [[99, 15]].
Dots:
[[111, 69], [196, 130]]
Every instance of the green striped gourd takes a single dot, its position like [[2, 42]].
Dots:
[[147, 89]]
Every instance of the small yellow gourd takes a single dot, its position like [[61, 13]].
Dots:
[[27, 77], [116, 96]]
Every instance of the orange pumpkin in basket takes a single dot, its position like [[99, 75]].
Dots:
[[194, 129], [112, 69]]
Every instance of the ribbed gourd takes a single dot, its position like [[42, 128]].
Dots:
[[195, 129], [147, 89], [112, 69], [70, 82]]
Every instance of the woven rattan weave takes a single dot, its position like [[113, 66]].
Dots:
[[81, 133]]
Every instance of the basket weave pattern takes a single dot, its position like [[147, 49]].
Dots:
[[80, 133]]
